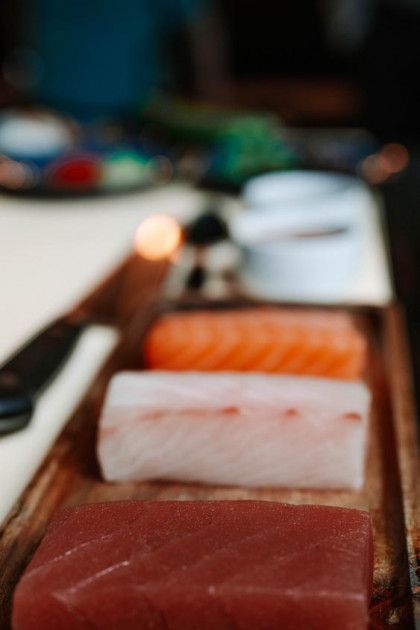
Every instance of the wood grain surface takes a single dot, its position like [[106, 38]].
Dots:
[[70, 475]]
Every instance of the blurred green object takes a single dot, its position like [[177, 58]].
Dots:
[[247, 150], [237, 145], [126, 168], [202, 122]]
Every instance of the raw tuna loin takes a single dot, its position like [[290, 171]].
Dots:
[[222, 565]]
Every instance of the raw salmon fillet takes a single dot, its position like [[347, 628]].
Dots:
[[312, 342], [234, 428], [205, 565]]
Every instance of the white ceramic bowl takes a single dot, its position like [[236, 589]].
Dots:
[[286, 187], [282, 203], [300, 234], [318, 268]]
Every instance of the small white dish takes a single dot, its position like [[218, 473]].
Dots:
[[300, 234], [279, 204], [317, 268]]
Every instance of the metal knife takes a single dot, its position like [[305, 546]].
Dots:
[[118, 301], [28, 372], [25, 375]]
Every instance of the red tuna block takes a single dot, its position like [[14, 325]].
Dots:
[[199, 565]]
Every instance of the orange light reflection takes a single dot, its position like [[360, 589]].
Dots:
[[390, 160], [158, 237]]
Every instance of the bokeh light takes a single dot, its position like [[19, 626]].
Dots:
[[390, 160], [158, 237]]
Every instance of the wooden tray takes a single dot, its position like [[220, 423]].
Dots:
[[70, 475]]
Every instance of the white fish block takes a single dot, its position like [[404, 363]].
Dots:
[[234, 429]]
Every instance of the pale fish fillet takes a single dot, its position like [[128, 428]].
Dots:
[[235, 429]]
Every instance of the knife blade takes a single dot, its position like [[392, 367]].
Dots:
[[117, 301], [25, 375]]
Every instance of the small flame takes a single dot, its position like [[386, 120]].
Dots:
[[157, 237]]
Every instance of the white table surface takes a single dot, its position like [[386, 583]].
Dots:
[[54, 252]]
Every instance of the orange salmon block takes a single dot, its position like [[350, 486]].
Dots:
[[290, 341]]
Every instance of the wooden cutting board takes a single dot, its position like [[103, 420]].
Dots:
[[70, 475]]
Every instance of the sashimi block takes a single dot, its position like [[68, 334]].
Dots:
[[234, 428], [205, 565], [288, 341]]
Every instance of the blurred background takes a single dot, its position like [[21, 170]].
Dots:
[[313, 62], [104, 95]]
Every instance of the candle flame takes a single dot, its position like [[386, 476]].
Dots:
[[157, 237]]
